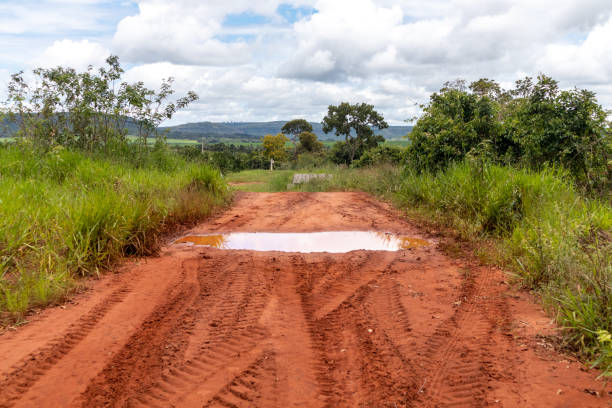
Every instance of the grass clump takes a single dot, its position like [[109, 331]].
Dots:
[[553, 238], [65, 214]]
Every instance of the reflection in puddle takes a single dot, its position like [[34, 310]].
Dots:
[[331, 241]]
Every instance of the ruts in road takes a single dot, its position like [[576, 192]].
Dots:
[[207, 327]]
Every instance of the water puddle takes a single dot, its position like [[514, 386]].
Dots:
[[329, 241]]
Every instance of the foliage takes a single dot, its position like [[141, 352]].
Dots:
[[310, 161], [604, 360], [566, 127], [274, 147], [149, 108], [453, 124], [227, 158], [340, 153], [380, 155], [72, 214], [309, 143], [89, 110], [534, 124], [294, 128], [354, 122]]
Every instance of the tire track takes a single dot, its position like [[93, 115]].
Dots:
[[458, 355], [335, 289], [129, 370], [253, 387], [181, 381], [234, 330], [27, 372], [374, 369]]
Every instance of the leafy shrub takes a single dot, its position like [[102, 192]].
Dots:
[[311, 160], [535, 125], [380, 155]]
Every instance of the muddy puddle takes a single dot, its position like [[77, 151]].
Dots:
[[329, 241]]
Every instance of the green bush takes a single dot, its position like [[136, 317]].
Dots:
[[310, 160], [380, 155], [535, 125]]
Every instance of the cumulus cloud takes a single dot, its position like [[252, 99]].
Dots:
[[589, 62], [366, 38], [186, 31], [76, 54], [275, 59], [244, 94]]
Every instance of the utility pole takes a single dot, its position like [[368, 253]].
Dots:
[[203, 139]]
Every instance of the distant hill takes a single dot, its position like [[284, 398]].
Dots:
[[234, 130], [256, 130]]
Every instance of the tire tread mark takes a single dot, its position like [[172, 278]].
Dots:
[[248, 389], [459, 349], [30, 369], [232, 320]]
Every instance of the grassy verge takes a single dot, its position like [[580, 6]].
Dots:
[[64, 214], [543, 230], [260, 180]]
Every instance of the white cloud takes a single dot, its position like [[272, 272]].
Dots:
[[587, 63], [185, 31], [164, 31], [52, 16], [391, 53], [76, 54]]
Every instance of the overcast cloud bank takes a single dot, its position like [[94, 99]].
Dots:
[[275, 60]]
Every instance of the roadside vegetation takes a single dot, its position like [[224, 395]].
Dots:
[[76, 195], [524, 174]]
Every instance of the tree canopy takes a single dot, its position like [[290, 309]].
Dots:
[[294, 128], [354, 122], [534, 124], [87, 109], [309, 142], [274, 147]]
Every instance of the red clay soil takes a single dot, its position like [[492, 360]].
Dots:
[[204, 327]]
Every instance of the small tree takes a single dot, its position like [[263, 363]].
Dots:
[[354, 122], [274, 147], [309, 142], [454, 123], [87, 109], [150, 109], [294, 128]]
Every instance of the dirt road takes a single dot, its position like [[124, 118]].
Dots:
[[204, 327]]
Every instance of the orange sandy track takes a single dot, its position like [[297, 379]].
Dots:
[[203, 327]]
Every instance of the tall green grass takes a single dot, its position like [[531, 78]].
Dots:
[[553, 238], [64, 214], [550, 236]]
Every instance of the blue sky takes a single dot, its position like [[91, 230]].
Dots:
[[274, 60]]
